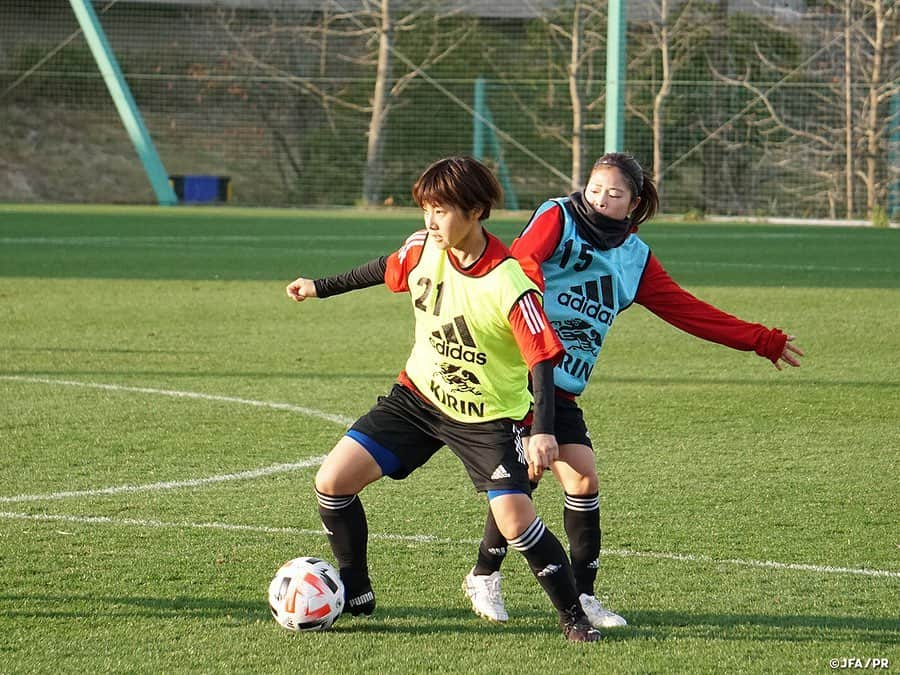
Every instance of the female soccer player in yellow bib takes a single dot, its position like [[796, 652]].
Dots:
[[480, 331]]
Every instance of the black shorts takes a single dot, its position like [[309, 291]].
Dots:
[[568, 424], [402, 432]]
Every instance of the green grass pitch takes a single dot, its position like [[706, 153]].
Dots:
[[163, 407]]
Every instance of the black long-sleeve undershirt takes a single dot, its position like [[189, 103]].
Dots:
[[364, 276]]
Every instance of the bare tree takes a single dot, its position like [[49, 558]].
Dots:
[[879, 39], [848, 107], [574, 71], [357, 36], [673, 37], [381, 24], [576, 36], [842, 119], [789, 134], [380, 106]]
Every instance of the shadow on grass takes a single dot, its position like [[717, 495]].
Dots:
[[400, 619], [387, 620], [60, 606], [783, 628]]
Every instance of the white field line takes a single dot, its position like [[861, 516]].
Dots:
[[311, 412], [769, 564], [167, 485], [430, 539], [174, 485], [313, 461]]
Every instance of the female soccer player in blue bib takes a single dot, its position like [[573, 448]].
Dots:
[[595, 266], [480, 332]]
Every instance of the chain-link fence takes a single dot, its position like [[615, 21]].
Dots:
[[737, 107]]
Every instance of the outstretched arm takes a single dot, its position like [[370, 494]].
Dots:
[[660, 294], [369, 274]]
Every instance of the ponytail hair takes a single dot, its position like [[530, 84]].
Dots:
[[641, 186]]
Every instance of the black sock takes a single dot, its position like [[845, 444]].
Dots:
[[492, 549], [581, 518], [345, 524], [548, 563]]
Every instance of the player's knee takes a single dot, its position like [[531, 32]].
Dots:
[[328, 481], [582, 484], [513, 514], [514, 525], [343, 475], [590, 484], [322, 483]]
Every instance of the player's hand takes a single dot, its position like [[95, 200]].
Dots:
[[791, 354], [534, 479], [301, 289], [541, 451]]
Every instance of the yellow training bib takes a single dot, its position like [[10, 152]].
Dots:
[[465, 358]]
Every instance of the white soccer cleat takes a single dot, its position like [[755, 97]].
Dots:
[[598, 615], [484, 592]]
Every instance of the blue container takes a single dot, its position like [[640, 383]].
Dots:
[[199, 189]]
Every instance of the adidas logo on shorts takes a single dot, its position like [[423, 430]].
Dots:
[[500, 472]]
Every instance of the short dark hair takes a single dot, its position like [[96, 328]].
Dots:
[[641, 186], [461, 182]]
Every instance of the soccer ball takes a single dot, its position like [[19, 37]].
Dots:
[[306, 594]]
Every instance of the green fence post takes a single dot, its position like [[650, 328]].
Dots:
[[480, 106], [124, 101], [483, 125], [615, 76], [511, 200]]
